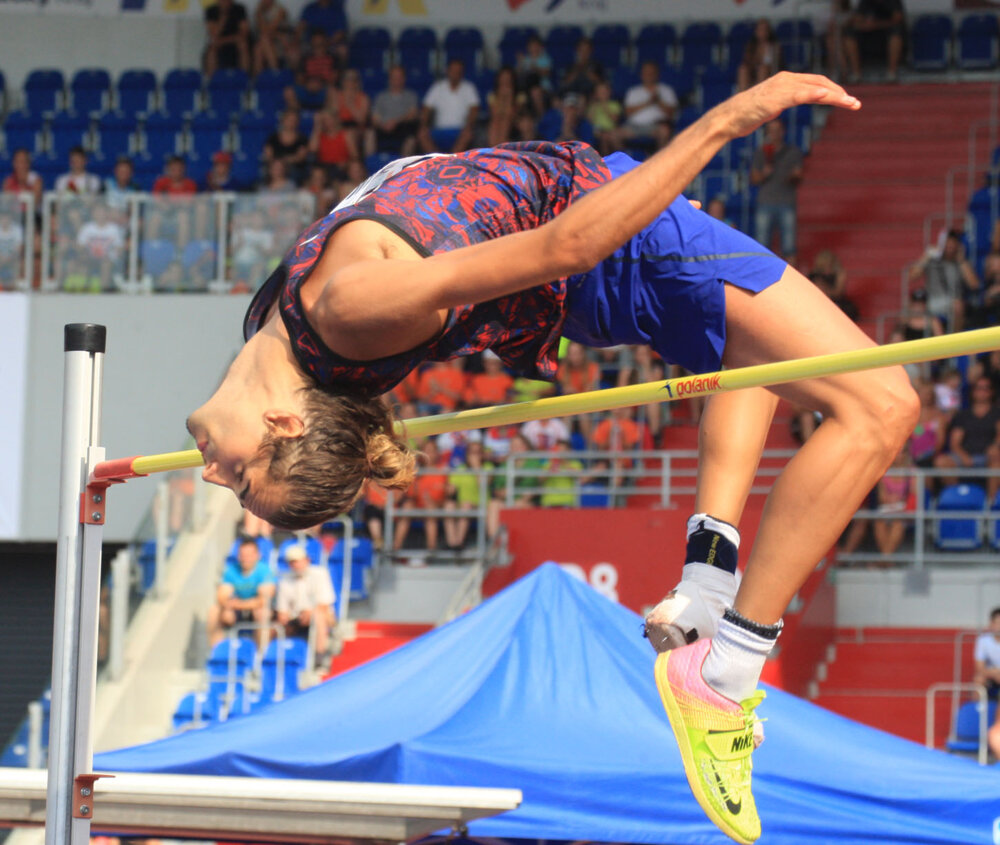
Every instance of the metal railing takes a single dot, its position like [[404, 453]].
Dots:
[[982, 753], [17, 240]]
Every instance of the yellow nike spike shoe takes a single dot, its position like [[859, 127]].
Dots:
[[716, 739]]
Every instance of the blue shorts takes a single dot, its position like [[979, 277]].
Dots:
[[665, 287]]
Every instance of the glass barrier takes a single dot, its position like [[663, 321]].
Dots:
[[179, 243], [17, 227], [263, 226], [85, 244]]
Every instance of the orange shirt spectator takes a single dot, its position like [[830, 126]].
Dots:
[[431, 490], [485, 389], [616, 434], [443, 385], [576, 373], [408, 390]]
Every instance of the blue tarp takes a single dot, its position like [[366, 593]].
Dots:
[[548, 687]]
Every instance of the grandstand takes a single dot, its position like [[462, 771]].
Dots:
[[874, 633]]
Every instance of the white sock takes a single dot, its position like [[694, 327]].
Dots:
[[734, 663]]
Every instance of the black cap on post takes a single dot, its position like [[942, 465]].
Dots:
[[85, 337]]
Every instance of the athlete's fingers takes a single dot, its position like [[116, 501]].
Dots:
[[695, 204]]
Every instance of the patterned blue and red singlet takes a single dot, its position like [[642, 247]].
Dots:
[[438, 204]]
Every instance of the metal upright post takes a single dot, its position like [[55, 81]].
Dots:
[[78, 565]]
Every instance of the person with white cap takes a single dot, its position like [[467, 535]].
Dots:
[[306, 598]]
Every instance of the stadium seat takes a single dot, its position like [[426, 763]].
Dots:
[[68, 130], [977, 42], [655, 43], [269, 92], [611, 43], [228, 665], [195, 710], [374, 80], [376, 161], [962, 533], [966, 739], [43, 91], [252, 131], [3, 93], [136, 92], [362, 560], [419, 79], [226, 91], [622, 78], [737, 38], [417, 49], [294, 653], [796, 40], [594, 496], [22, 130], [993, 527], [181, 92], [716, 85], [561, 43], [512, 43], [155, 256], [370, 47], [115, 133], [90, 90], [465, 43], [681, 79], [161, 135], [930, 42], [15, 755], [49, 168], [209, 133], [700, 45], [246, 173], [484, 81]]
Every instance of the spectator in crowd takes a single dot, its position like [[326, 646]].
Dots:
[[948, 391], [525, 485], [777, 170], [493, 386], [650, 107], [974, 438], [828, 264], [558, 490], [220, 175], [271, 41], [11, 249], [244, 596], [534, 66], [567, 122], [328, 17], [305, 599], [464, 493], [78, 180], [253, 246], [453, 444], [442, 386], [429, 492], [917, 323], [350, 103], [948, 279], [577, 373], [583, 76], [316, 71], [287, 143], [120, 185], [929, 433], [893, 493], [617, 432], [318, 184], [102, 242], [331, 145], [504, 103], [175, 181], [451, 108], [22, 179], [761, 56], [646, 366], [872, 21], [227, 30], [544, 434], [605, 116], [353, 175], [717, 208], [395, 117], [991, 288], [987, 672], [277, 182]]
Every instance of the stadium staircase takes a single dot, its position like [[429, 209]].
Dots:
[[367, 640], [874, 177], [880, 676]]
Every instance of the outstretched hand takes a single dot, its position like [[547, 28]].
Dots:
[[754, 107]]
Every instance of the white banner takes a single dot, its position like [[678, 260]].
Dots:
[[13, 383]]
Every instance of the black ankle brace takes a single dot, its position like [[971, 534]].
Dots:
[[708, 546], [768, 632]]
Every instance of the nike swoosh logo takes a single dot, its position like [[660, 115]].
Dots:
[[734, 807]]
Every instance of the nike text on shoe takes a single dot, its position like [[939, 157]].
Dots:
[[716, 740]]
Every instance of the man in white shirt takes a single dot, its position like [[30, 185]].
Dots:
[[102, 242], [987, 672], [305, 597], [451, 107], [78, 180], [543, 435], [650, 107]]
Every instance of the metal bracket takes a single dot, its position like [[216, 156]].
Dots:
[[94, 497], [83, 795]]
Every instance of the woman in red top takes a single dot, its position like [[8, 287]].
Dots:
[[331, 145], [350, 102], [23, 179]]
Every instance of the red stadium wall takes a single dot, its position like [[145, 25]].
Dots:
[[634, 556]]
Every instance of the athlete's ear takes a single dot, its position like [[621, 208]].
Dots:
[[284, 424]]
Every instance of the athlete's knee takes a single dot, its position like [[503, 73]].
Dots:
[[889, 410]]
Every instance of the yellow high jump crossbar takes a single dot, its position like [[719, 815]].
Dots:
[[760, 375]]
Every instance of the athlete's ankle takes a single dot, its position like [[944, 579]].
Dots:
[[712, 542], [739, 650]]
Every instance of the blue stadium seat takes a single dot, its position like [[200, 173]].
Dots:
[[246, 173], [930, 42], [611, 43], [656, 43], [295, 653], [561, 43], [68, 130], [195, 710], [417, 48], [700, 44], [966, 739], [136, 91], [594, 496], [49, 168], [252, 130], [43, 91], [512, 43], [269, 92], [228, 665], [154, 255], [115, 133], [622, 78], [984, 207], [681, 79], [362, 560], [91, 90], [3, 93], [465, 43], [15, 755], [686, 116], [962, 532], [419, 79], [209, 134], [993, 530], [716, 85], [977, 42], [376, 161], [22, 130], [162, 135], [796, 40], [484, 81], [370, 47], [374, 80], [227, 91], [182, 92], [736, 43]]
